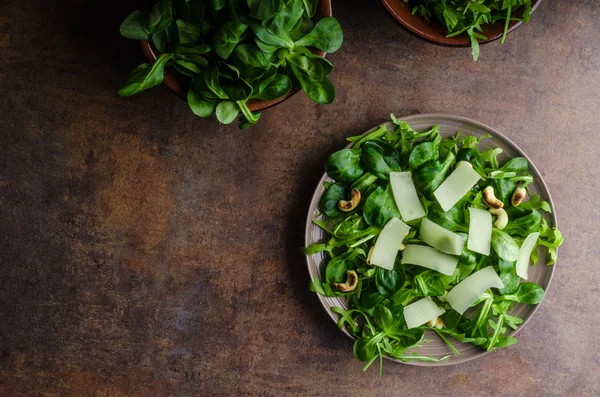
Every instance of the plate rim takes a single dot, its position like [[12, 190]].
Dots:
[[496, 134]]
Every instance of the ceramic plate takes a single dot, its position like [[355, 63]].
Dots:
[[539, 274]]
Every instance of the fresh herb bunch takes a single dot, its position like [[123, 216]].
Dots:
[[459, 16], [362, 201], [236, 50]]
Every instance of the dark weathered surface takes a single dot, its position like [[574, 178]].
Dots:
[[146, 252]]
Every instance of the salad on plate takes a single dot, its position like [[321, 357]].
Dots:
[[426, 232]]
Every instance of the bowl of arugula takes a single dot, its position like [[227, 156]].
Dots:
[[235, 58], [460, 23], [422, 239]]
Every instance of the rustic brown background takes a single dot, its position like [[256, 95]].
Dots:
[[147, 252]]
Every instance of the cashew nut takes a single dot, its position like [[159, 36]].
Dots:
[[350, 284], [490, 199], [518, 196], [501, 217], [437, 323], [347, 206]]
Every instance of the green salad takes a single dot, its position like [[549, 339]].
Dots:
[[460, 16], [235, 51], [427, 232]]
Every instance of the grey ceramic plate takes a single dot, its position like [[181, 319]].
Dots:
[[539, 274]]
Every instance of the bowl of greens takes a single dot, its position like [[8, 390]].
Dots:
[[422, 240], [461, 23], [235, 58]]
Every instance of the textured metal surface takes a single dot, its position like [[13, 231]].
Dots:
[[449, 126], [146, 252]]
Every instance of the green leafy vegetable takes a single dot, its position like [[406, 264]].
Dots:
[[375, 314], [344, 165], [326, 36], [235, 51], [145, 76], [459, 16], [135, 26]]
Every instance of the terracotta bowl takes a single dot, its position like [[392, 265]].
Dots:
[[179, 84], [435, 32]]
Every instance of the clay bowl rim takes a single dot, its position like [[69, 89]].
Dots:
[[459, 41], [178, 83]]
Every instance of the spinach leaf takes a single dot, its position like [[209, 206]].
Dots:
[[365, 347], [424, 152], [161, 16], [375, 162], [227, 37], [271, 39], [453, 219], [285, 20], [236, 90], [430, 176], [503, 189], [277, 87], [312, 67], [135, 26], [516, 164], [327, 36], [145, 76], [217, 5], [166, 40], [183, 9], [344, 165], [302, 28], [227, 111], [250, 60], [189, 34], [336, 270], [528, 292], [472, 156], [200, 106], [211, 79], [264, 9], [328, 205], [322, 92], [380, 207], [384, 319], [370, 298], [310, 7], [429, 283], [504, 245], [388, 281], [451, 318], [524, 225], [508, 276], [186, 67]]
